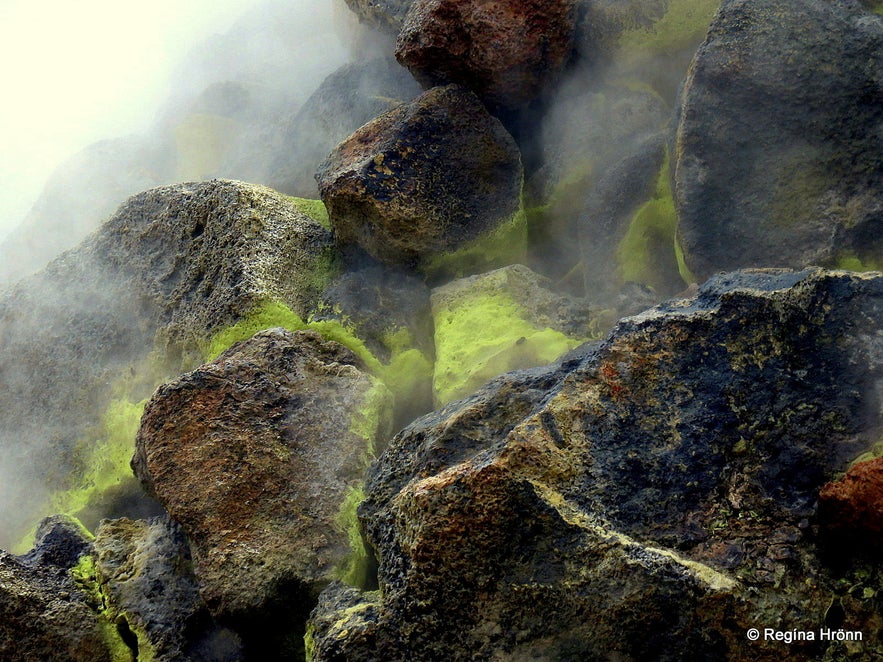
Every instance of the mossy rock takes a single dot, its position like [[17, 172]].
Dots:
[[503, 320]]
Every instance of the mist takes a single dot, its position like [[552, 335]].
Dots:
[[104, 95]]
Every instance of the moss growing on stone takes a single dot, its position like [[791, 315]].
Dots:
[[372, 418], [405, 374], [355, 571], [315, 209], [485, 335], [649, 253], [85, 576], [505, 244], [684, 24], [851, 262]]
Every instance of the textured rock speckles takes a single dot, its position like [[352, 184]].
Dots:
[[506, 52], [255, 455], [424, 180]]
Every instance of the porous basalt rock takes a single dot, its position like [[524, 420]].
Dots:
[[256, 454], [385, 15], [170, 268], [652, 498], [853, 505], [146, 577], [474, 44], [778, 157], [424, 180], [350, 97]]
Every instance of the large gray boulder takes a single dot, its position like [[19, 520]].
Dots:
[[652, 497], [779, 156]]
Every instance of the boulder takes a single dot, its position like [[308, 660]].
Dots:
[[778, 157], [385, 15], [172, 267], [145, 573], [350, 97], [499, 321], [471, 44], [651, 497], [853, 505], [432, 183], [259, 455], [50, 607]]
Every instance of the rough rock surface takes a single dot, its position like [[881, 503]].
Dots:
[[171, 267], [473, 43], [350, 97], [146, 576], [779, 159], [46, 615], [499, 321], [423, 179], [385, 15], [853, 505], [255, 455], [652, 499]]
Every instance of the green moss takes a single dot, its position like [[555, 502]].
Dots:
[[408, 371], [506, 244], [683, 26], [315, 209], [85, 576], [102, 466], [649, 252], [483, 336], [372, 417], [310, 643], [355, 570], [851, 262]]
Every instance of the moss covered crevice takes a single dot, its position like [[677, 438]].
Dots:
[[649, 253], [315, 209]]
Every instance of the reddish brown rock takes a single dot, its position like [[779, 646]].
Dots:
[[854, 504], [423, 180], [255, 455], [507, 51]]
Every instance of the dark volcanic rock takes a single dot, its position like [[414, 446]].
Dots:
[[350, 97], [255, 455], [173, 266], [386, 15], [423, 179], [506, 52], [651, 500], [779, 149], [146, 576]]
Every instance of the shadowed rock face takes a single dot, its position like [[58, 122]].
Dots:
[[254, 455], [506, 52], [655, 498], [779, 159], [170, 268], [423, 179]]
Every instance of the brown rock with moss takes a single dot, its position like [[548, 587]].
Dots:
[[652, 498], [424, 180], [506, 52], [778, 155], [256, 455]]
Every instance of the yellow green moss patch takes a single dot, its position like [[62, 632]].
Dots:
[[485, 335], [315, 209], [506, 244], [683, 25], [652, 231], [354, 571]]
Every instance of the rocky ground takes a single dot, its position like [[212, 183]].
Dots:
[[572, 350]]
